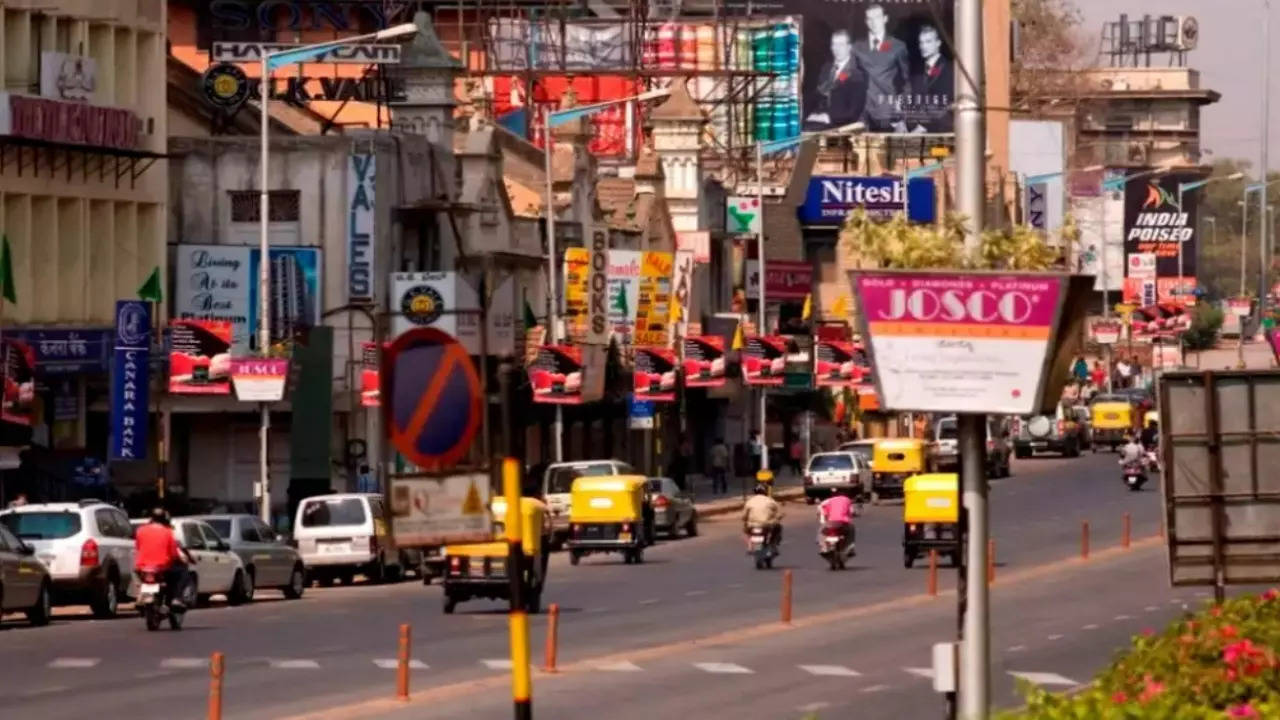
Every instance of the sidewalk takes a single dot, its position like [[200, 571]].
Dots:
[[786, 486]]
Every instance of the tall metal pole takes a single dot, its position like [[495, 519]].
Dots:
[[1264, 165], [264, 287], [1244, 237], [1102, 274], [553, 317], [975, 647], [764, 446]]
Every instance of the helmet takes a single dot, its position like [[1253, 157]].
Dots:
[[762, 489], [160, 515]]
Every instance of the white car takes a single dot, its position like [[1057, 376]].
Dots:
[[218, 570], [830, 472], [87, 546]]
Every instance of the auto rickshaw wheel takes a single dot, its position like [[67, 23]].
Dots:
[[760, 563], [449, 604], [639, 555], [533, 601], [574, 557], [908, 558], [875, 498]]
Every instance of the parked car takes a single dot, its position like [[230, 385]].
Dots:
[[218, 570], [557, 481], [673, 508], [343, 534], [1085, 420], [866, 449], [1058, 432], [86, 546], [946, 449], [24, 581], [269, 561], [829, 472]]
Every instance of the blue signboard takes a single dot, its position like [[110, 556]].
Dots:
[[67, 351], [830, 199], [641, 413], [130, 380]]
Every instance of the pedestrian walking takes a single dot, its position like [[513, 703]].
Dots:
[[719, 467], [797, 456]]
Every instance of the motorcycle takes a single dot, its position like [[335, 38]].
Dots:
[[155, 602], [761, 546], [1135, 475], [835, 546]]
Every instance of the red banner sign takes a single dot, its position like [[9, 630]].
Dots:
[[38, 118]]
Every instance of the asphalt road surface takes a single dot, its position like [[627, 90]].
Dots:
[[335, 646]]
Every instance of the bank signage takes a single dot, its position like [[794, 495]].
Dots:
[[830, 199], [361, 173], [67, 351], [131, 380]]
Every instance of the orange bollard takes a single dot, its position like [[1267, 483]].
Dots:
[[933, 573], [402, 665], [786, 596], [215, 686], [1084, 539], [991, 562], [1126, 528], [553, 630]]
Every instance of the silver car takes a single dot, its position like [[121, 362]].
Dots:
[[270, 562], [673, 508]]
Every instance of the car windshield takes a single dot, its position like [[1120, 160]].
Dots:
[[560, 479], [821, 463], [42, 525], [323, 513], [654, 486], [947, 430], [864, 451], [222, 527]]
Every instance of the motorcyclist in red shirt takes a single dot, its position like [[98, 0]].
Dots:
[[158, 551]]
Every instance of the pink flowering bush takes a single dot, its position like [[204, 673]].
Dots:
[[1220, 664]]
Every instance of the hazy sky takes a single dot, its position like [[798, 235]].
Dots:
[[1229, 58]]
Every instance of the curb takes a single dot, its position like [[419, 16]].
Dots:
[[727, 507]]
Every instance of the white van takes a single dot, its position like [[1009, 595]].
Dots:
[[343, 534]]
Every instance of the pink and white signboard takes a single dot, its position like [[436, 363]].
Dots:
[[964, 343], [259, 379]]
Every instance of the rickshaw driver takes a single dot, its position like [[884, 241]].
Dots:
[[762, 510]]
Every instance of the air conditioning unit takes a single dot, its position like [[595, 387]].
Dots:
[[1188, 33]]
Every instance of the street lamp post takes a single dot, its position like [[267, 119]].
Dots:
[[271, 61], [554, 119]]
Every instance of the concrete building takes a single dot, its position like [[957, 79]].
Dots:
[[83, 195]]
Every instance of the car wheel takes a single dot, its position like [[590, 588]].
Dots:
[[533, 602], [809, 499], [692, 528], [40, 614], [107, 604], [241, 588], [449, 604], [297, 583], [908, 559]]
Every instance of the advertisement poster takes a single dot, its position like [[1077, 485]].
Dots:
[[556, 375], [704, 361], [653, 305], [837, 363], [885, 64], [370, 359], [784, 280], [220, 283], [681, 293], [697, 242], [18, 371], [742, 215], [1105, 331], [654, 376], [830, 200], [449, 302], [1156, 224], [200, 357], [624, 293], [259, 379], [958, 343], [577, 268], [764, 360], [598, 331], [131, 381]]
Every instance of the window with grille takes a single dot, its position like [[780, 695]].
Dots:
[[282, 206]]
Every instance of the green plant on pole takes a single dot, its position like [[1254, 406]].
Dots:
[[1206, 321], [897, 244]]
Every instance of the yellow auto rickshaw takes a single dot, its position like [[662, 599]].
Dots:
[[479, 570], [1112, 417], [609, 514], [931, 516], [892, 463]]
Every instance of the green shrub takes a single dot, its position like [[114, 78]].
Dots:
[[1221, 663], [1206, 321]]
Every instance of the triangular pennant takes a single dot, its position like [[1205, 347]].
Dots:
[[151, 290]]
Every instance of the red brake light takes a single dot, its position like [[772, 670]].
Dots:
[[1062, 426], [830, 531], [89, 553], [626, 527], [455, 564], [373, 543], [660, 501]]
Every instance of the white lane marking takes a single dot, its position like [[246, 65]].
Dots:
[[1044, 678], [1176, 601], [1202, 593], [620, 666], [651, 601], [1123, 617], [723, 668], [152, 675], [499, 664], [295, 665], [813, 707], [74, 663], [184, 663], [920, 672], [695, 593], [1055, 637], [1090, 626], [394, 663], [1151, 608], [734, 586], [46, 691], [1017, 648], [875, 688], [830, 670]]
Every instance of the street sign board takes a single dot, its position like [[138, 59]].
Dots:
[[433, 511], [640, 413], [431, 398]]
